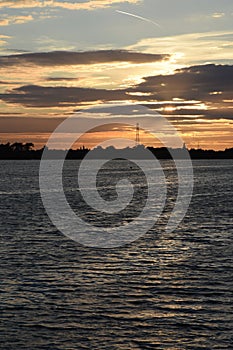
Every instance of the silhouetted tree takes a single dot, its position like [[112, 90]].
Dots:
[[28, 146], [17, 147]]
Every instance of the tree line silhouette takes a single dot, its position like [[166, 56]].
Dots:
[[19, 150]]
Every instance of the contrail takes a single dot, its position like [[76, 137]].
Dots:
[[139, 17]]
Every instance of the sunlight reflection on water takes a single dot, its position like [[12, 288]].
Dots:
[[165, 291]]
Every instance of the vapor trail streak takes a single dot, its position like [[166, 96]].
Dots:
[[139, 17]]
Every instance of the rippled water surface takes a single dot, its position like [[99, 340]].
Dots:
[[164, 291]]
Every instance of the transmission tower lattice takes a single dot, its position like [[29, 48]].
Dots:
[[137, 140]]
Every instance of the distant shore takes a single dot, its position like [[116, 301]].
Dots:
[[20, 151]]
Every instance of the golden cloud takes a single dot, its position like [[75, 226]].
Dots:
[[3, 39], [88, 5], [15, 20]]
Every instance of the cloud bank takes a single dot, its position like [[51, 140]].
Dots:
[[66, 58], [207, 83], [209, 86]]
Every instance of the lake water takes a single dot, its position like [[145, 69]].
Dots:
[[163, 291]]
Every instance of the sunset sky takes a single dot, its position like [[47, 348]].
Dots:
[[175, 56]]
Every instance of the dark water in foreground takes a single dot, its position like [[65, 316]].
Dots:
[[164, 291]]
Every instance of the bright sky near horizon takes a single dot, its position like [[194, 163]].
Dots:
[[60, 56]]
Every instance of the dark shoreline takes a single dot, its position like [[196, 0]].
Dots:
[[160, 153]]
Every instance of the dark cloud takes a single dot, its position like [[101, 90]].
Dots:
[[170, 104], [39, 96], [48, 125], [212, 84], [61, 79], [214, 113], [32, 125], [190, 110], [28, 124], [15, 50], [207, 83], [3, 114], [65, 58], [3, 82]]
